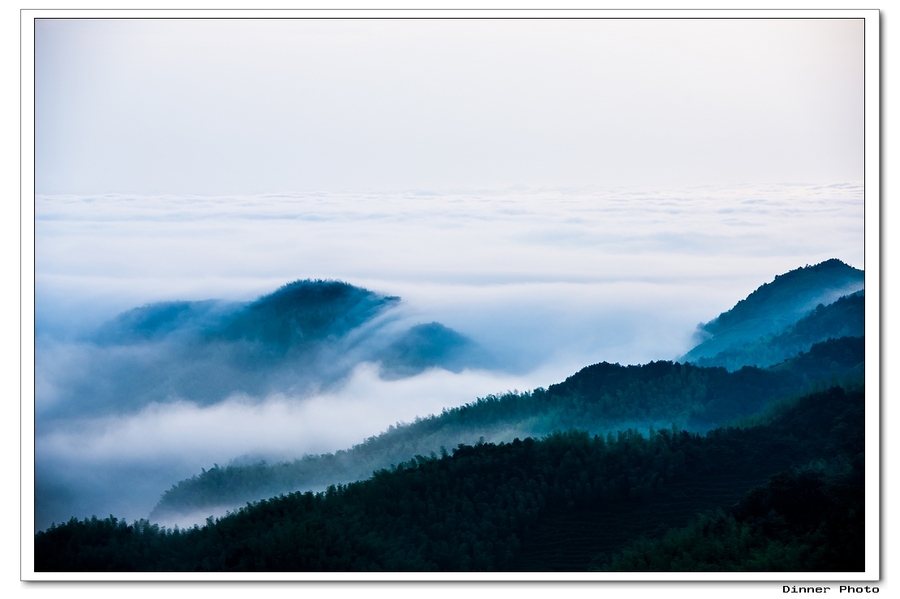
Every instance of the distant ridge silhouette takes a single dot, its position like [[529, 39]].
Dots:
[[734, 338]]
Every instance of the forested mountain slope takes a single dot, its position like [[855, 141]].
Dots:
[[774, 459], [599, 398], [844, 318], [513, 506], [298, 313], [301, 338], [804, 521], [429, 345], [755, 329]]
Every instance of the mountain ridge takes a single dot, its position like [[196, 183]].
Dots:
[[773, 307], [306, 336], [693, 393], [598, 398], [510, 506], [564, 501]]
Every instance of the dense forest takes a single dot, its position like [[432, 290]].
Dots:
[[797, 522], [771, 310], [569, 501], [599, 398], [843, 318]]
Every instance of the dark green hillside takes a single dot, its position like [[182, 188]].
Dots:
[[828, 425], [775, 306], [296, 314], [504, 507], [307, 335], [290, 341], [833, 358], [303, 312], [844, 318], [598, 399], [428, 346], [804, 521], [156, 321]]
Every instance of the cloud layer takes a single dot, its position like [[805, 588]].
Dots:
[[548, 280]]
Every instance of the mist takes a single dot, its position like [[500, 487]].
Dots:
[[546, 281], [122, 464]]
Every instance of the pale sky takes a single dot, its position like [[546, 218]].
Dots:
[[259, 106]]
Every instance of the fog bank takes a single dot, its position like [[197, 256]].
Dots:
[[547, 280]]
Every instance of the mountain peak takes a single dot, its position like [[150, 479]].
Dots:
[[306, 310], [776, 305], [792, 293]]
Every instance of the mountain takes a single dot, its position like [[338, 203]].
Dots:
[[599, 398], [429, 346], [605, 470], [844, 318], [303, 337], [821, 346], [302, 313], [758, 331], [297, 314], [157, 321], [569, 501]]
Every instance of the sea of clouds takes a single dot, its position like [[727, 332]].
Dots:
[[548, 280]]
